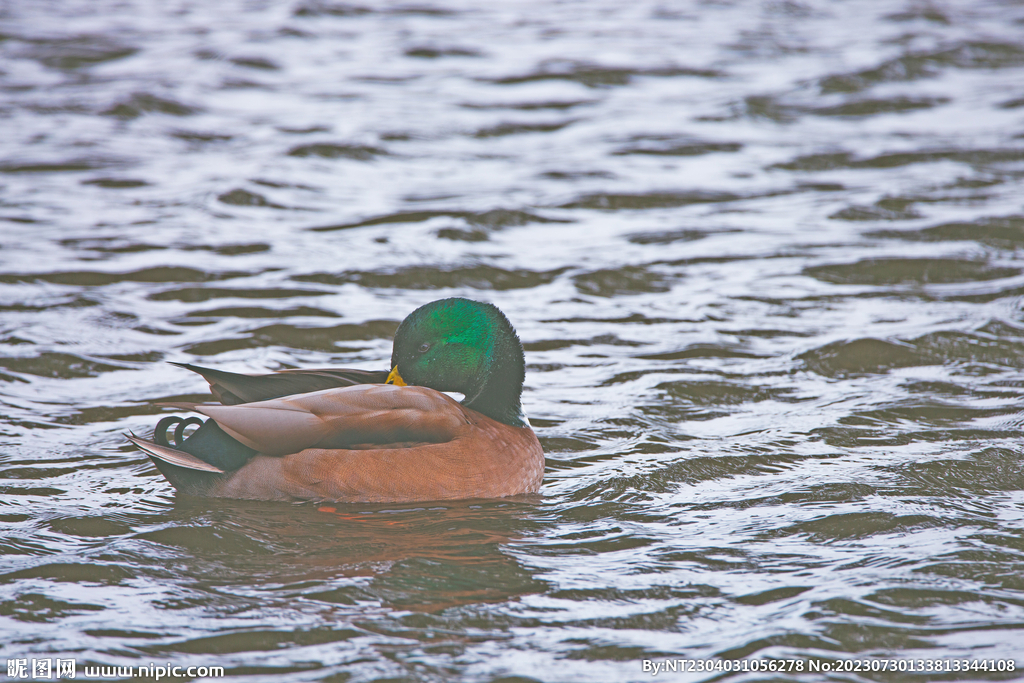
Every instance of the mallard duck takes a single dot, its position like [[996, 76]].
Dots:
[[363, 436]]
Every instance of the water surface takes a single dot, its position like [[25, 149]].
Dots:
[[765, 259]]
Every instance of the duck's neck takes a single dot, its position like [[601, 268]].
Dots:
[[498, 396]]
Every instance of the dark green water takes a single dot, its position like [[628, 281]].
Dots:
[[766, 260]]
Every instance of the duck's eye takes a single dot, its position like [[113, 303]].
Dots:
[[424, 347]]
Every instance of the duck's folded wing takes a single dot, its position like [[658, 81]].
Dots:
[[232, 388], [340, 418]]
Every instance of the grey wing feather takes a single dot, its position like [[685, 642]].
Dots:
[[232, 388]]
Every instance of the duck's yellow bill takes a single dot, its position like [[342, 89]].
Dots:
[[395, 378]]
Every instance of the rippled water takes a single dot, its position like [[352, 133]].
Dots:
[[765, 259]]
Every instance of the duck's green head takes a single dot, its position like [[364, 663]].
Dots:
[[464, 346]]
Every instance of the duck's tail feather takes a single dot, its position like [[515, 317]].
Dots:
[[210, 444], [187, 473], [232, 388], [196, 464]]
